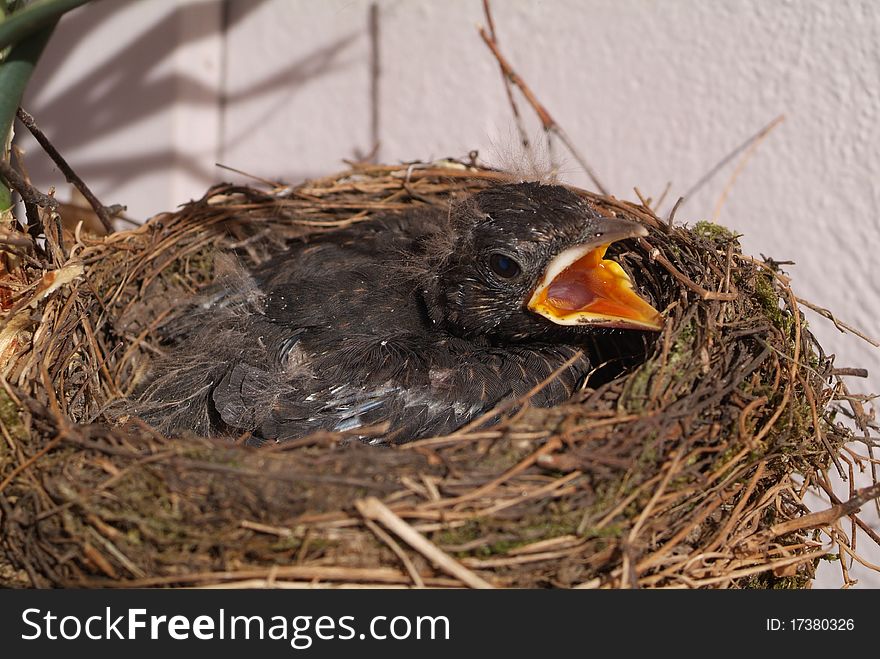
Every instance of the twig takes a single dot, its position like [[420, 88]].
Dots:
[[817, 429], [99, 560], [69, 174], [372, 508], [682, 278], [375, 77], [270, 183], [31, 209], [554, 486], [649, 507], [644, 201], [840, 325], [662, 197], [708, 176], [827, 516], [552, 445], [793, 371], [29, 194], [251, 584], [508, 86], [313, 573], [735, 517], [852, 372], [755, 143], [522, 559], [114, 550], [547, 121], [394, 547], [671, 219], [280, 531], [16, 239], [31, 460], [826, 487]]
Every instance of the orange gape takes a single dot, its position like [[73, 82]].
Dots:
[[595, 291]]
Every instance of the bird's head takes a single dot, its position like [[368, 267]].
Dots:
[[527, 262]]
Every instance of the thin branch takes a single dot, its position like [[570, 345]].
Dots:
[[662, 197], [671, 219], [829, 515], [272, 184], [31, 210], [682, 278], [508, 86], [100, 210], [375, 77], [372, 508], [29, 194], [397, 549], [708, 176], [851, 372], [756, 142], [547, 121], [839, 324]]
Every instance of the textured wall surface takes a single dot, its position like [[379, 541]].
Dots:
[[145, 97]]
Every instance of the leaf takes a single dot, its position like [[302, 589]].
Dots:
[[55, 279]]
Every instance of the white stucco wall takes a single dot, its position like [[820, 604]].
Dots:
[[144, 97]]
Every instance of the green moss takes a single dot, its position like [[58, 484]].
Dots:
[[562, 521], [290, 543], [607, 531], [727, 455], [768, 581], [9, 416], [649, 456], [195, 268], [714, 232], [636, 391], [640, 383], [460, 535], [551, 524], [767, 297], [682, 349], [500, 547]]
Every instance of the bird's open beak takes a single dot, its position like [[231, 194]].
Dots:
[[580, 287]]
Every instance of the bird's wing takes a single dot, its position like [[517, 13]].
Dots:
[[432, 394]]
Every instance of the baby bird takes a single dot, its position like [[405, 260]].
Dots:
[[410, 325]]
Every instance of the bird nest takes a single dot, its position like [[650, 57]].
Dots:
[[689, 469]]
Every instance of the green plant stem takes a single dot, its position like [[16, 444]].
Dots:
[[15, 72], [27, 31], [26, 21]]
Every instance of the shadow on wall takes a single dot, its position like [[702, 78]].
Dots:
[[121, 90]]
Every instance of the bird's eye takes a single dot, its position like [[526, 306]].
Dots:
[[504, 266]]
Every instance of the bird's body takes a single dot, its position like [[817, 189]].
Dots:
[[394, 329]]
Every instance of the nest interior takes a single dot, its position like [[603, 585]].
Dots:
[[687, 470]]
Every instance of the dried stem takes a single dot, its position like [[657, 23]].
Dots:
[[755, 142], [100, 210], [508, 86], [549, 124], [839, 324], [372, 508], [29, 194], [754, 139]]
